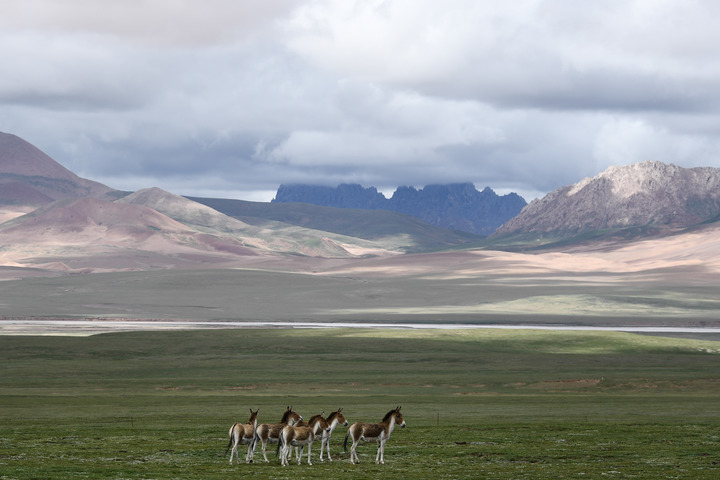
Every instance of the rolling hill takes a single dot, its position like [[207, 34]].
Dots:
[[373, 225], [53, 220]]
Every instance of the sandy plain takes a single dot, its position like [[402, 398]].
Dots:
[[670, 282]]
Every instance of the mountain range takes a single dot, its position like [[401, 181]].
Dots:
[[53, 222], [455, 206]]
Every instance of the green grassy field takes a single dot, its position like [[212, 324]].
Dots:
[[496, 404]]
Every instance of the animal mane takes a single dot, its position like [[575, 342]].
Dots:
[[330, 417], [388, 415]]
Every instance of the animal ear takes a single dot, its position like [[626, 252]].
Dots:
[[339, 409]]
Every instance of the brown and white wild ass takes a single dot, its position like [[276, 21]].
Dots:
[[300, 436], [334, 419], [301, 423], [243, 433], [379, 432], [269, 432]]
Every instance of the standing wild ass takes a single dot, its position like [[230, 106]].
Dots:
[[269, 432], [243, 433], [369, 432], [334, 419], [299, 436]]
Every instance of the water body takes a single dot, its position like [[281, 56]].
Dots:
[[92, 327]]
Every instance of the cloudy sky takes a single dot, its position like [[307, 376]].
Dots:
[[231, 98]]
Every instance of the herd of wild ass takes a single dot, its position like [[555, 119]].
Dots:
[[293, 431]]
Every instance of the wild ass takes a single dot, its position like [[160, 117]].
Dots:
[[301, 423], [269, 432], [299, 436], [334, 419], [369, 432], [243, 433]]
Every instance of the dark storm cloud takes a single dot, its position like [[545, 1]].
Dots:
[[226, 98]]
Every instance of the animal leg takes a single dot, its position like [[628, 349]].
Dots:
[[309, 447], [234, 450], [288, 453], [283, 448], [353, 452], [323, 441], [381, 452], [264, 444], [251, 450]]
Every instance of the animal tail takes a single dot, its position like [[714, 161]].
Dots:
[[231, 439], [280, 443], [345, 442]]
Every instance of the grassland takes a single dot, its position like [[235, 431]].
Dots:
[[673, 298], [494, 404]]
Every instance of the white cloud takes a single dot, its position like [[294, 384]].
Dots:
[[560, 54], [623, 141], [167, 23], [239, 96]]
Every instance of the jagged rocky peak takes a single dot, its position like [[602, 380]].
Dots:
[[457, 206], [645, 193], [346, 195]]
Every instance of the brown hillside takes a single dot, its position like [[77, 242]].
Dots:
[[90, 232], [30, 177]]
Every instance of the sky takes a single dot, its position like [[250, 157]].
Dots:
[[231, 98]]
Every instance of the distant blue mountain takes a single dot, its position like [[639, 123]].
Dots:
[[458, 206]]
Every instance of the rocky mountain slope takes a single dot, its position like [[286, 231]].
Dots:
[[647, 195], [455, 206]]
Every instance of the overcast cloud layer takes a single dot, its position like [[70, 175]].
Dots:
[[228, 98]]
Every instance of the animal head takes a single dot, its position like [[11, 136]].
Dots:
[[290, 417], [338, 416], [317, 422], [253, 416], [396, 415], [399, 418]]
